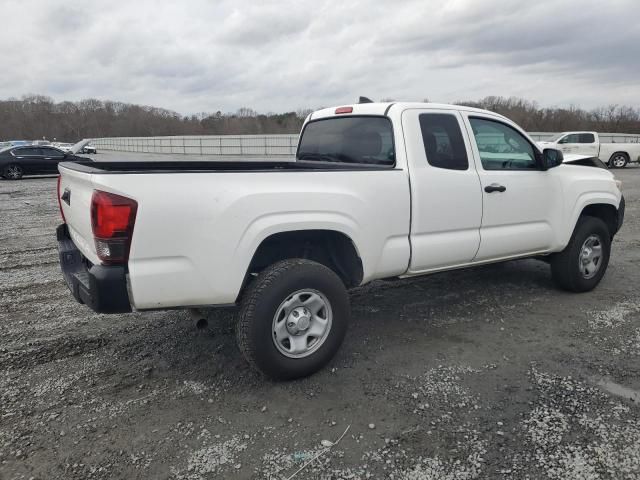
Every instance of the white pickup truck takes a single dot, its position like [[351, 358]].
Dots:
[[615, 155], [377, 190]]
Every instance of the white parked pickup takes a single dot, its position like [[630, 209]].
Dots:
[[615, 155], [377, 190]]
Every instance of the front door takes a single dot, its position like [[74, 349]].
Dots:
[[446, 200], [579, 143], [521, 202], [568, 143]]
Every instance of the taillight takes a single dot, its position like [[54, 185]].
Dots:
[[64, 220], [112, 220], [340, 110]]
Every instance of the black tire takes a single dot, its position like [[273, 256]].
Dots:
[[618, 160], [565, 266], [263, 299], [13, 171]]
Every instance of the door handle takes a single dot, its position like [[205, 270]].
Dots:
[[494, 187]]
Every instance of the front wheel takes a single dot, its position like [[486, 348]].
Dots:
[[293, 319], [618, 160], [13, 172], [583, 263]]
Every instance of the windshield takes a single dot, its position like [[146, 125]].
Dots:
[[363, 140], [555, 138]]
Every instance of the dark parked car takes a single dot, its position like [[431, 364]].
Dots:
[[34, 160]]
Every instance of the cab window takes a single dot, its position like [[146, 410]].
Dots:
[[502, 147], [352, 139], [571, 138], [443, 143]]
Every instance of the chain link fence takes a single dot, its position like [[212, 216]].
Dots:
[[258, 145], [227, 145]]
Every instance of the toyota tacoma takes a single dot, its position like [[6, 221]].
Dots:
[[376, 191]]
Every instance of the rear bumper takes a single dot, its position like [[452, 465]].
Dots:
[[102, 288]]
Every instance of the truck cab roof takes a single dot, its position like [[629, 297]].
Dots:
[[383, 108]]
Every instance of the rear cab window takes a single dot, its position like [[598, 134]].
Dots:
[[362, 140], [443, 143]]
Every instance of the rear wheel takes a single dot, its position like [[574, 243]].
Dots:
[[618, 160], [293, 319], [13, 172], [583, 263]]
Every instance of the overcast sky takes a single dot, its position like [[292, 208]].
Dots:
[[193, 56]]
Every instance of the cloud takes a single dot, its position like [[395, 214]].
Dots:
[[199, 55]]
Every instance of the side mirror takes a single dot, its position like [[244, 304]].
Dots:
[[551, 158]]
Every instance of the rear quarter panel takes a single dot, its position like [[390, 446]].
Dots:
[[196, 233], [78, 212], [608, 149]]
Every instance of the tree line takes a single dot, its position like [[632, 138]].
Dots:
[[37, 116], [531, 117], [34, 117]]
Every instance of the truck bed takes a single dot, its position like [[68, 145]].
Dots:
[[210, 217]]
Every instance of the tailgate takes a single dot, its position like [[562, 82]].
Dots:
[[76, 190]]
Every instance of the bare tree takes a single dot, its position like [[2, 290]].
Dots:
[[611, 119]]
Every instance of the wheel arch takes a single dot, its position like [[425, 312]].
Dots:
[[605, 211], [332, 248], [601, 204]]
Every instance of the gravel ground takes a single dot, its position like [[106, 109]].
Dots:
[[485, 373]]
